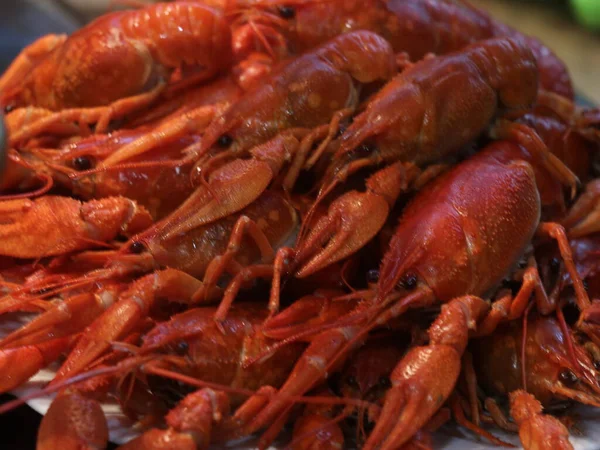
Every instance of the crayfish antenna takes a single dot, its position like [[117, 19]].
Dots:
[[306, 314], [126, 365], [32, 296], [47, 184], [125, 166], [349, 319], [578, 396], [150, 366]]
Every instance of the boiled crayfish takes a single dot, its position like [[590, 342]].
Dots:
[[199, 221]]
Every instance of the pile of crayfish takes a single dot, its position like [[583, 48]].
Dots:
[[358, 220]]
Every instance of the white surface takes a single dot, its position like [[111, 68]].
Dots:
[[451, 438]]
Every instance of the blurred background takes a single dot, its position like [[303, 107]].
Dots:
[[569, 27]]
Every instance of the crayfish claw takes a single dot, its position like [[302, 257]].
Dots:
[[73, 422]]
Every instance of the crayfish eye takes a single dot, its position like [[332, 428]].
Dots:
[[372, 276], [287, 12], [182, 347], [137, 247], [409, 281], [340, 130], [82, 163], [9, 108], [567, 377], [365, 150], [352, 382], [224, 141], [385, 382]]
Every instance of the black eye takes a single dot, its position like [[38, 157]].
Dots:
[[340, 130], [409, 281], [9, 108], [287, 12], [137, 247], [182, 347], [597, 365], [224, 141], [385, 382], [351, 381], [372, 276], [567, 377], [365, 150], [82, 163]]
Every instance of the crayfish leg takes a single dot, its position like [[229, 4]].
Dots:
[[219, 265], [509, 307], [557, 232], [584, 216], [310, 369], [123, 316], [63, 319], [101, 115], [426, 376], [460, 418], [190, 423], [528, 138]]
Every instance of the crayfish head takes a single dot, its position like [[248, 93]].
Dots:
[[557, 368], [563, 374]]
